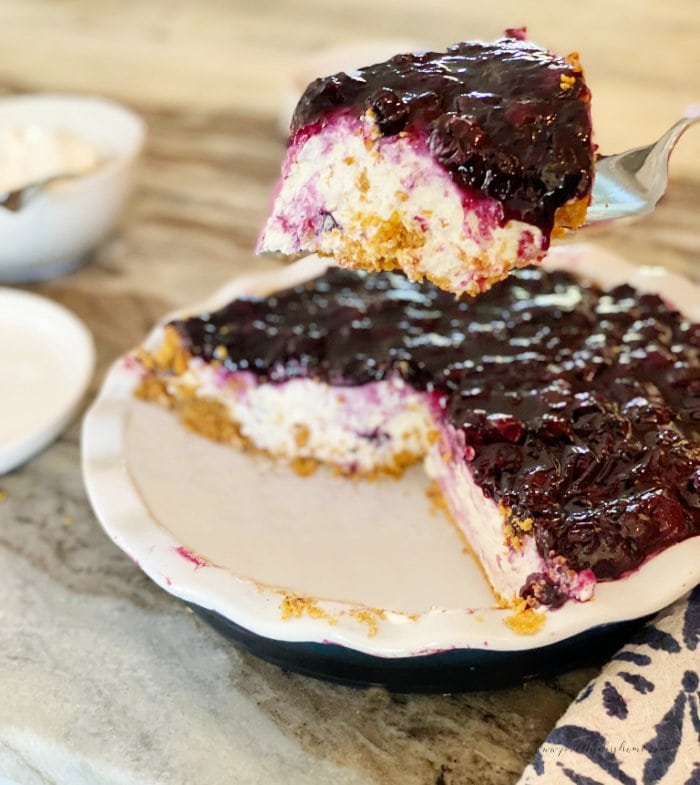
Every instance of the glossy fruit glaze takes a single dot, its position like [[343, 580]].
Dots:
[[579, 408], [507, 119]]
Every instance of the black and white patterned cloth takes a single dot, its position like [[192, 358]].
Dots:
[[638, 723]]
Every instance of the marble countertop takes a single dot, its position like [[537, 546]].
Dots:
[[106, 679]]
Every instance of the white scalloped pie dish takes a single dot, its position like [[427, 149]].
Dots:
[[367, 566]]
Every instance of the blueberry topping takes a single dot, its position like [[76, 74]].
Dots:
[[578, 406], [506, 119]]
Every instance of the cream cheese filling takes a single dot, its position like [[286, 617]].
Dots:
[[347, 193]]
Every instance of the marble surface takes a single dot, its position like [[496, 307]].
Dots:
[[104, 678]]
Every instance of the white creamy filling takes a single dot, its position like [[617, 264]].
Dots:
[[506, 565], [366, 427], [33, 154], [359, 428], [340, 177], [482, 522]]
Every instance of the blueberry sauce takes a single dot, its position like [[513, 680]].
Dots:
[[580, 408], [507, 119]]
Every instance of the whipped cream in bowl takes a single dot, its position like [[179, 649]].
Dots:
[[66, 170], [33, 155]]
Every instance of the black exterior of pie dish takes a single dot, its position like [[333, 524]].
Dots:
[[457, 670]]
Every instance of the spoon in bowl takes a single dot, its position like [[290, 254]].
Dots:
[[33, 157]]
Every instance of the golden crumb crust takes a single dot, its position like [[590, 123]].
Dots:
[[525, 620], [212, 419], [375, 244], [294, 606], [570, 216]]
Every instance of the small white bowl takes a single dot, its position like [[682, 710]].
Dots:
[[56, 229]]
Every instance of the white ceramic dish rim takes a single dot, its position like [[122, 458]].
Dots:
[[18, 450], [128, 522]]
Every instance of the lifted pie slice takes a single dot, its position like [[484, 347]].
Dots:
[[454, 166]]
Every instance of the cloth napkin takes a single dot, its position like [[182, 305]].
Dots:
[[638, 723]]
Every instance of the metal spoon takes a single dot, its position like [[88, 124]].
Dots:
[[14, 201], [630, 184]]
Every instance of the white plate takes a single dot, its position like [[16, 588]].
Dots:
[[47, 359], [240, 536]]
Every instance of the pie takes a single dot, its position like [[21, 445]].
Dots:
[[454, 166], [560, 420]]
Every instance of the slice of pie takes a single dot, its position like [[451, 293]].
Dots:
[[561, 421], [454, 166]]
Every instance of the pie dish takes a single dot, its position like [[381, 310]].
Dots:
[[380, 576], [454, 166], [557, 418]]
